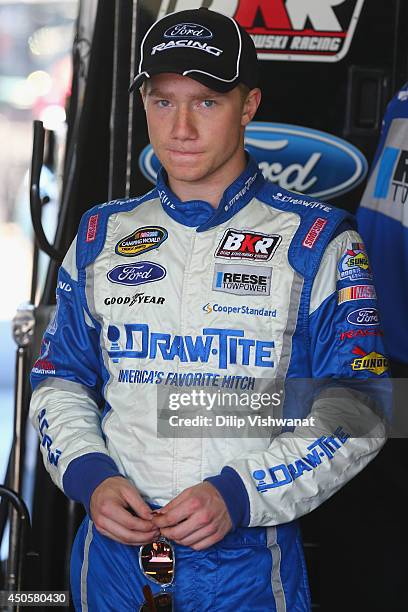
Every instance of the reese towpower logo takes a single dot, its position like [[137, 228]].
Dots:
[[291, 30]]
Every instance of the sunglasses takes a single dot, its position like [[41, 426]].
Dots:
[[157, 562]]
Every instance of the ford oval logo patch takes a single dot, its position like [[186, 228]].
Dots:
[[296, 158], [364, 316], [188, 30], [136, 274]]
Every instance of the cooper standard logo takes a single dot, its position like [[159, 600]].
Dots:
[[291, 30]]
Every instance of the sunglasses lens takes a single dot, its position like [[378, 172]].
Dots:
[[157, 561], [163, 603]]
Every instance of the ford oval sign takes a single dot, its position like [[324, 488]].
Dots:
[[296, 158], [136, 274]]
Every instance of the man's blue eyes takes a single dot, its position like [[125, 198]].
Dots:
[[205, 103]]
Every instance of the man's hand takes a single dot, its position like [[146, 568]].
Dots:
[[198, 517], [112, 506]]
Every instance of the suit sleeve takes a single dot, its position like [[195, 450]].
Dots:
[[67, 381], [350, 393]]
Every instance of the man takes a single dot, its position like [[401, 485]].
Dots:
[[288, 276]]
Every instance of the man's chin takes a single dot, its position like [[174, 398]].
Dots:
[[186, 173]]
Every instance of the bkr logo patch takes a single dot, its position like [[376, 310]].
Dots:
[[240, 244]]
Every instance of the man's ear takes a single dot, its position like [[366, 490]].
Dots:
[[251, 105], [142, 91]]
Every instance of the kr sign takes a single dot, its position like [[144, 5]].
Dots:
[[292, 30]]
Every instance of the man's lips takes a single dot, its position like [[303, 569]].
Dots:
[[178, 152]]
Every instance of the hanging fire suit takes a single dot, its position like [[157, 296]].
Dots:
[[156, 294], [383, 222]]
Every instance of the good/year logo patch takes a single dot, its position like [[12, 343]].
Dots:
[[240, 244], [242, 280]]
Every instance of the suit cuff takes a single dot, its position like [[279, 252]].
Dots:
[[230, 485], [85, 473]]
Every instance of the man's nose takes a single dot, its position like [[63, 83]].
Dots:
[[183, 124]]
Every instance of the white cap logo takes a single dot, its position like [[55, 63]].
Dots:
[[188, 30]]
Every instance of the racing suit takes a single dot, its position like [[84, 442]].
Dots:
[[383, 222], [155, 292]]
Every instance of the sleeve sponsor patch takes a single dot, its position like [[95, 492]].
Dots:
[[354, 264], [357, 292]]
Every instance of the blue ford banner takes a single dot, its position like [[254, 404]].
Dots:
[[296, 158]]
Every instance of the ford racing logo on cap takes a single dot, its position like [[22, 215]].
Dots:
[[296, 158], [136, 274], [188, 30]]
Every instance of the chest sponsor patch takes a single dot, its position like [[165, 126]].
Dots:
[[314, 233], [242, 280], [354, 264], [141, 240], [373, 362], [136, 274], [92, 228], [357, 292], [241, 244], [138, 298]]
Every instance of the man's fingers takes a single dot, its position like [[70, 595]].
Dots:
[[179, 509], [189, 531], [197, 537], [180, 499], [125, 518], [121, 534], [136, 503]]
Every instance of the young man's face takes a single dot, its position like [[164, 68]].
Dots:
[[195, 131]]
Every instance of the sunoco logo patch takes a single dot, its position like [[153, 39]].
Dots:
[[354, 264], [373, 362], [291, 30], [140, 241]]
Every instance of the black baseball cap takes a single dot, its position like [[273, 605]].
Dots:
[[203, 45]]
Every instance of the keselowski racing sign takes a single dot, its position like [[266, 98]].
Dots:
[[292, 30]]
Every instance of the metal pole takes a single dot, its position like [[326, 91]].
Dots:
[[14, 577], [23, 330]]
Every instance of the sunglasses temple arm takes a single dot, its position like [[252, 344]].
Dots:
[[147, 592]]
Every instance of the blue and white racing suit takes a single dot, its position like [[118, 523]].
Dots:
[[155, 293]]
